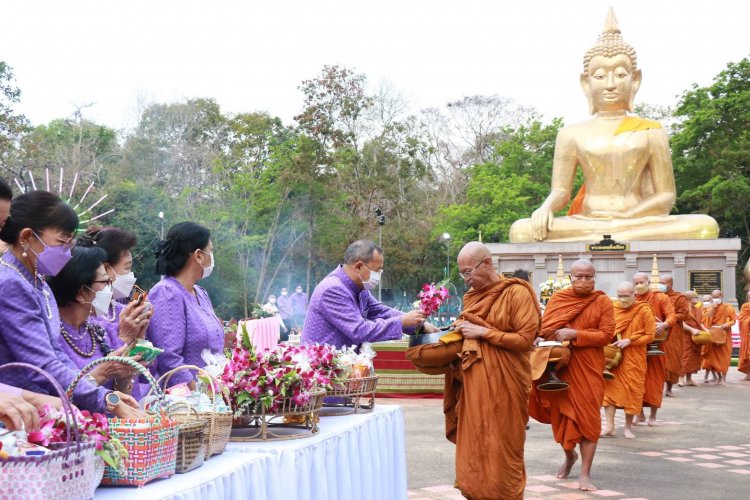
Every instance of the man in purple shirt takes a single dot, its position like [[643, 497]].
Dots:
[[299, 306], [285, 308], [342, 311]]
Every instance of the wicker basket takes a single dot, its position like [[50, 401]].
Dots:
[[151, 442], [218, 423], [290, 421], [354, 395], [191, 442], [67, 472]]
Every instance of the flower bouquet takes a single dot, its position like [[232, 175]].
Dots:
[[266, 387], [431, 298]]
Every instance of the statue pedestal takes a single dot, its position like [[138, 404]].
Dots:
[[703, 265]]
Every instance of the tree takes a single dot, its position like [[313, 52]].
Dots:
[[711, 152], [13, 126]]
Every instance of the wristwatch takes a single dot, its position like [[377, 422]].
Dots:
[[112, 400]]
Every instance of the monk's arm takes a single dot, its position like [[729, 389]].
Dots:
[[662, 175], [681, 309], [731, 318], [668, 310], [524, 321], [601, 336], [646, 327]]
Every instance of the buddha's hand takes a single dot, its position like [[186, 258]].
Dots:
[[541, 221]]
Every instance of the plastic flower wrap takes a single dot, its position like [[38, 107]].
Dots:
[[93, 427], [357, 364]]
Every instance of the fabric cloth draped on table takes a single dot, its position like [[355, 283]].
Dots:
[[252, 476], [718, 357], [264, 333], [656, 366], [183, 325], [691, 352], [358, 456], [673, 346], [342, 314], [744, 356], [575, 413], [637, 324], [30, 333]]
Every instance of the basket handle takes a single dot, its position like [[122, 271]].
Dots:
[[164, 379], [65, 398], [118, 359]]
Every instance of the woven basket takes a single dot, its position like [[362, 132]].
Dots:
[[354, 395], [191, 441], [67, 472], [289, 421], [151, 442], [218, 423]]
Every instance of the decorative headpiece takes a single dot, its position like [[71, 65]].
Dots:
[[610, 43]]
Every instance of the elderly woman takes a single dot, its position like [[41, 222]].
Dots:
[[83, 292], [39, 233], [184, 323]]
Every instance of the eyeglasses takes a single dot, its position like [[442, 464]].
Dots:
[[66, 243], [468, 274], [107, 281]]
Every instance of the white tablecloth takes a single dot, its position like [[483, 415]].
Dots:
[[228, 476], [353, 457]]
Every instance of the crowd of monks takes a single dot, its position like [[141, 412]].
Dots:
[[490, 393]]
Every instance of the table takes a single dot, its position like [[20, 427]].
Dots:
[[233, 476], [353, 457]]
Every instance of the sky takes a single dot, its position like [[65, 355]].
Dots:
[[116, 56]]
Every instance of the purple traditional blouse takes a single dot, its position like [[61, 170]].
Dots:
[[342, 314], [183, 325], [30, 333]]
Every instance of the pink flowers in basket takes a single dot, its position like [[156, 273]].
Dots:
[[287, 371], [93, 427]]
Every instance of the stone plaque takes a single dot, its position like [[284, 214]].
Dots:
[[705, 282]]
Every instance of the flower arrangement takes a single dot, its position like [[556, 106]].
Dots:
[[431, 297], [257, 311], [92, 427], [287, 371], [356, 364]]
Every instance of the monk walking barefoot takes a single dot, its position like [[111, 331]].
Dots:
[[583, 317]]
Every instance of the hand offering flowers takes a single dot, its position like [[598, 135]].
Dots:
[[431, 297]]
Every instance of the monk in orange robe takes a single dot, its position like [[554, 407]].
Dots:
[[744, 319], [635, 327], [717, 358], [673, 345], [487, 392], [691, 352], [585, 317], [656, 369]]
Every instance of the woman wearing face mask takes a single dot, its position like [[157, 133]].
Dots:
[[184, 323], [123, 319], [273, 309], [83, 291], [40, 234]]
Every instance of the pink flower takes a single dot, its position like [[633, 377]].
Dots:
[[46, 434]]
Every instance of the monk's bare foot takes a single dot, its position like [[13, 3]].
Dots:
[[690, 383], [586, 485], [652, 422], [747, 377], [629, 434], [638, 419], [564, 470], [608, 432], [669, 394]]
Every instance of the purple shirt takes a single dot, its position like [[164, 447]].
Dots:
[[111, 323], [82, 340], [299, 303], [183, 325], [342, 314], [30, 333], [285, 306]]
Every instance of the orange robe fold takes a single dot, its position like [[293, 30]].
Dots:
[[626, 390], [656, 366], [718, 357], [575, 413], [673, 346], [691, 352], [487, 393], [744, 319]]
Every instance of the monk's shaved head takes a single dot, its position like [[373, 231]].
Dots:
[[690, 295], [706, 298], [474, 250], [717, 294], [666, 279], [582, 265], [625, 288]]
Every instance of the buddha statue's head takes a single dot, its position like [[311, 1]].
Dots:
[[610, 77]]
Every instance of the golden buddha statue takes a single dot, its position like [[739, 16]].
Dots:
[[629, 186]]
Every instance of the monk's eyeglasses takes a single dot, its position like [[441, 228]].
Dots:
[[468, 274]]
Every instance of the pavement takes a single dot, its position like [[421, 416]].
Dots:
[[700, 450]]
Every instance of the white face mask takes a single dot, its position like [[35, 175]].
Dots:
[[102, 301], [372, 283], [123, 285], [717, 301], [208, 270], [662, 288]]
